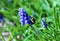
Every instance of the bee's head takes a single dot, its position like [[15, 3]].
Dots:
[[33, 20]]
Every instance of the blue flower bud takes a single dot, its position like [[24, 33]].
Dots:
[[44, 24], [1, 17]]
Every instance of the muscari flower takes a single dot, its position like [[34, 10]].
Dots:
[[44, 24], [24, 17], [1, 20], [1, 17]]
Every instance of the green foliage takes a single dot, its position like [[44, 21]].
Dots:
[[34, 8]]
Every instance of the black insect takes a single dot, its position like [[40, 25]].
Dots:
[[33, 20]]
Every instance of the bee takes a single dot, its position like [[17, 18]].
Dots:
[[33, 20]]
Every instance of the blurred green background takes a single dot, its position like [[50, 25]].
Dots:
[[34, 8]]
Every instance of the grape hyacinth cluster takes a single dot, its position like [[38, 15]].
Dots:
[[1, 17], [44, 24], [24, 17]]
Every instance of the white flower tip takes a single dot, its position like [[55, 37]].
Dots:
[[20, 9]]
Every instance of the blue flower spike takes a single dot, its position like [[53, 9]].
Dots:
[[24, 17], [1, 17], [44, 24]]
